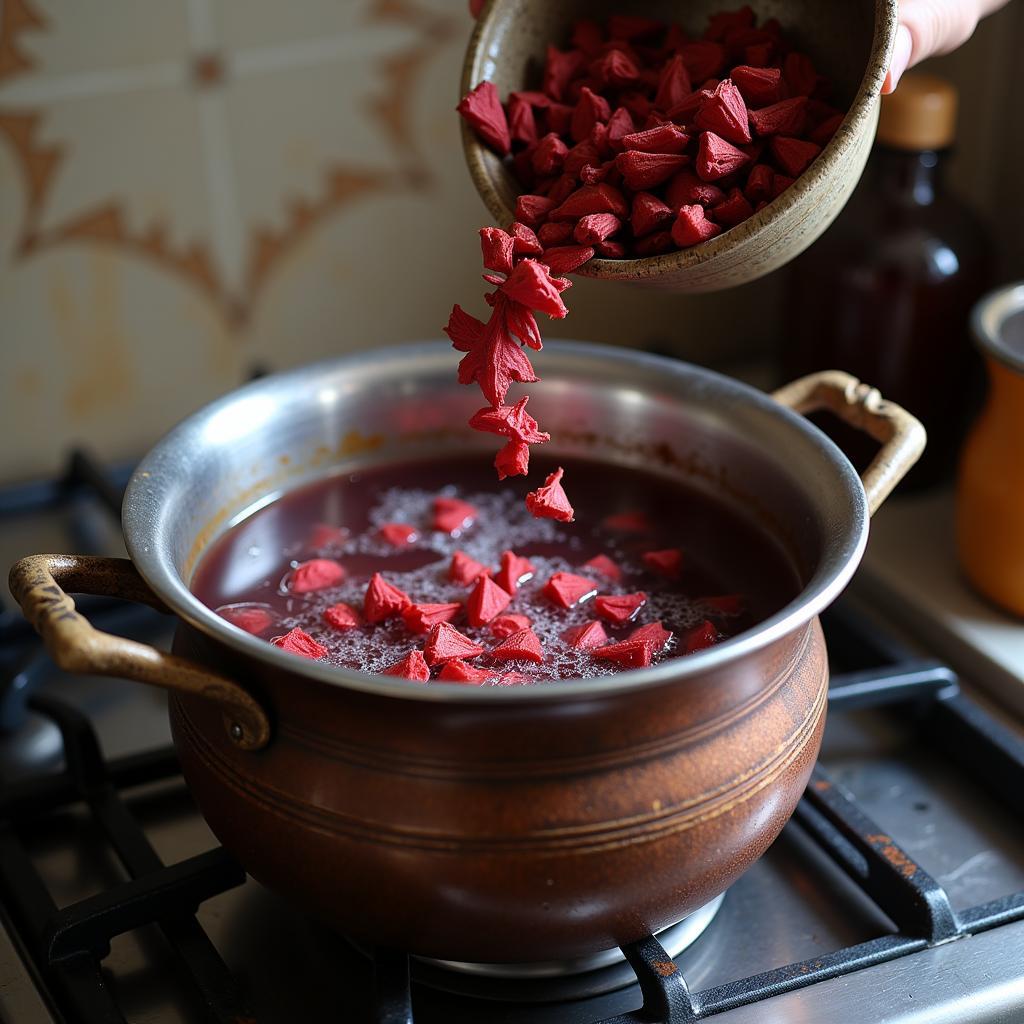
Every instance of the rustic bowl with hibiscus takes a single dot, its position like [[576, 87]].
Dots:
[[849, 43], [490, 823]]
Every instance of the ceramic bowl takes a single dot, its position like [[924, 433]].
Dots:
[[850, 41]]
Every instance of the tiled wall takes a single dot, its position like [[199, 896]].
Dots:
[[191, 188]]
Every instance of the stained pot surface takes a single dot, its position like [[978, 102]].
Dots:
[[401, 403]]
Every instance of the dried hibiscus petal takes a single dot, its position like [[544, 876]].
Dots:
[[668, 562], [549, 155], [619, 608], [497, 360], [590, 110], [446, 642], [686, 189], [383, 600], [590, 634], [596, 227], [673, 84], [342, 616], [532, 209], [591, 199], [550, 501], [653, 634], [412, 666], [665, 138], [759, 85], [725, 113], [620, 124], [514, 570], [253, 618], [564, 259], [316, 574], [554, 234], [716, 158], [398, 535], [506, 625], [521, 646], [560, 67], [645, 170], [522, 124], [692, 226], [654, 245], [465, 570], [700, 637], [759, 183], [483, 112], [497, 249], [627, 653], [649, 212], [487, 601], [567, 589], [452, 514], [457, 671], [421, 618], [510, 421], [296, 641], [605, 566], [524, 240], [784, 118], [733, 210], [824, 132], [513, 460], [531, 284], [793, 155], [627, 522]]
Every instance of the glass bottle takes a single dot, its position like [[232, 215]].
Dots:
[[887, 292]]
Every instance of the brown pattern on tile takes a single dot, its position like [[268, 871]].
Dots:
[[16, 16]]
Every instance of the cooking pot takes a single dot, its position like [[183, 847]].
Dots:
[[489, 824]]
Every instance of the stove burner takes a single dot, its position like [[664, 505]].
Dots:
[[674, 939]]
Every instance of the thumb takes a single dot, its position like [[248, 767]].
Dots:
[[937, 26]]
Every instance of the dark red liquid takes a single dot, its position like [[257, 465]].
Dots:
[[722, 555]]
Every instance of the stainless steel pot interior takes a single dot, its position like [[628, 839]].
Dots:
[[403, 403]]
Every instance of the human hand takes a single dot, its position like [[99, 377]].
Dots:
[[930, 27]]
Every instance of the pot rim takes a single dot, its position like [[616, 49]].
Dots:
[[840, 561], [988, 319]]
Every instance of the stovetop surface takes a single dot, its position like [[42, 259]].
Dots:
[[948, 810]]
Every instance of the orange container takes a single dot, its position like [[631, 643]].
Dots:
[[990, 488]]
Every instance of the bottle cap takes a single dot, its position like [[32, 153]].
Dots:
[[920, 114]]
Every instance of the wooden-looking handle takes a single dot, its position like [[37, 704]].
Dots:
[[38, 584], [861, 406]]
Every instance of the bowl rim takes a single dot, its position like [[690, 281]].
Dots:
[[144, 510], [861, 115]]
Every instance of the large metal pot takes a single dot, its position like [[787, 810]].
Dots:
[[489, 824]]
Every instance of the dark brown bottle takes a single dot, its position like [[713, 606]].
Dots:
[[886, 293]]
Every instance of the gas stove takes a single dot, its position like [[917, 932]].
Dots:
[[896, 893]]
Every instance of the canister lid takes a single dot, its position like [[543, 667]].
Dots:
[[920, 114]]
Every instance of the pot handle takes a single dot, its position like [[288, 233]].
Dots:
[[37, 583], [861, 406]]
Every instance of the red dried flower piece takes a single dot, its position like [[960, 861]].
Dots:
[[487, 601], [649, 212], [759, 55], [451, 514], [668, 562], [252, 618], [700, 637], [654, 245], [637, 104], [567, 589], [506, 625], [464, 329], [800, 74], [614, 69], [521, 322], [702, 59], [793, 155], [421, 618], [595, 175], [605, 566], [564, 259], [724, 604], [633, 26], [342, 616], [653, 634], [733, 210], [524, 240], [646, 170], [324, 535], [412, 666], [602, 198], [513, 460], [686, 188], [596, 227], [759, 184], [716, 158], [692, 227], [497, 360], [619, 608], [456, 671], [298, 642], [522, 124], [665, 138], [382, 600], [316, 574], [398, 535], [610, 250], [780, 183], [483, 112], [627, 522], [620, 124], [466, 570], [521, 646], [557, 118], [531, 284], [584, 638], [759, 85], [725, 114], [785, 118], [509, 421], [627, 653], [496, 247], [549, 155], [446, 642], [822, 135], [550, 501], [559, 69], [533, 209], [551, 234], [591, 109], [514, 570], [673, 84]]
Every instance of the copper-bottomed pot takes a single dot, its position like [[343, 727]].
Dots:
[[489, 824]]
